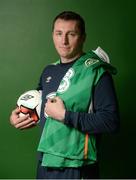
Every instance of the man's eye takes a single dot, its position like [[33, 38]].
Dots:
[[72, 34], [58, 33]]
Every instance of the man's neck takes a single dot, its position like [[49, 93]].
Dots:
[[68, 60]]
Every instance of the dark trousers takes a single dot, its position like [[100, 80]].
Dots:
[[85, 172]]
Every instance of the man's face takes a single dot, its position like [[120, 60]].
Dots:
[[67, 39]]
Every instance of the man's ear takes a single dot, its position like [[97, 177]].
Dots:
[[84, 37]]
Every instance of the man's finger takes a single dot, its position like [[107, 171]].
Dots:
[[23, 123], [33, 123]]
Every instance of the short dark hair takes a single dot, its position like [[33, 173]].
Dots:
[[70, 15]]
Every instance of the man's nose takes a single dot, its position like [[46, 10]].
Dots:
[[65, 40]]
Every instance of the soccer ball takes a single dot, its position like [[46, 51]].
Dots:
[[30, 103]]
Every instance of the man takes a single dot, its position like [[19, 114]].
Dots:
[[78, 105]]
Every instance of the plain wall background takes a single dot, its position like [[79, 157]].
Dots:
[[26, 47]]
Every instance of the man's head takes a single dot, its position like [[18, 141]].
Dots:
[[69, 15], [68, 35]]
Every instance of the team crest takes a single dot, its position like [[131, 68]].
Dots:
[[91, 61], [65, 83]]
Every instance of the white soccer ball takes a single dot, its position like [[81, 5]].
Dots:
[[30, 103]]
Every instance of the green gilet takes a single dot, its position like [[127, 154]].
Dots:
[[64, 146]]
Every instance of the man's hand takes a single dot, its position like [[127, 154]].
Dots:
[[23, 122], [55, 108]]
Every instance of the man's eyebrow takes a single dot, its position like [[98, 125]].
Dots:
[[57, 30], [73, 31]]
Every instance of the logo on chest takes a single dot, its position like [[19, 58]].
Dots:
[[65, 83], [48, 79]]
